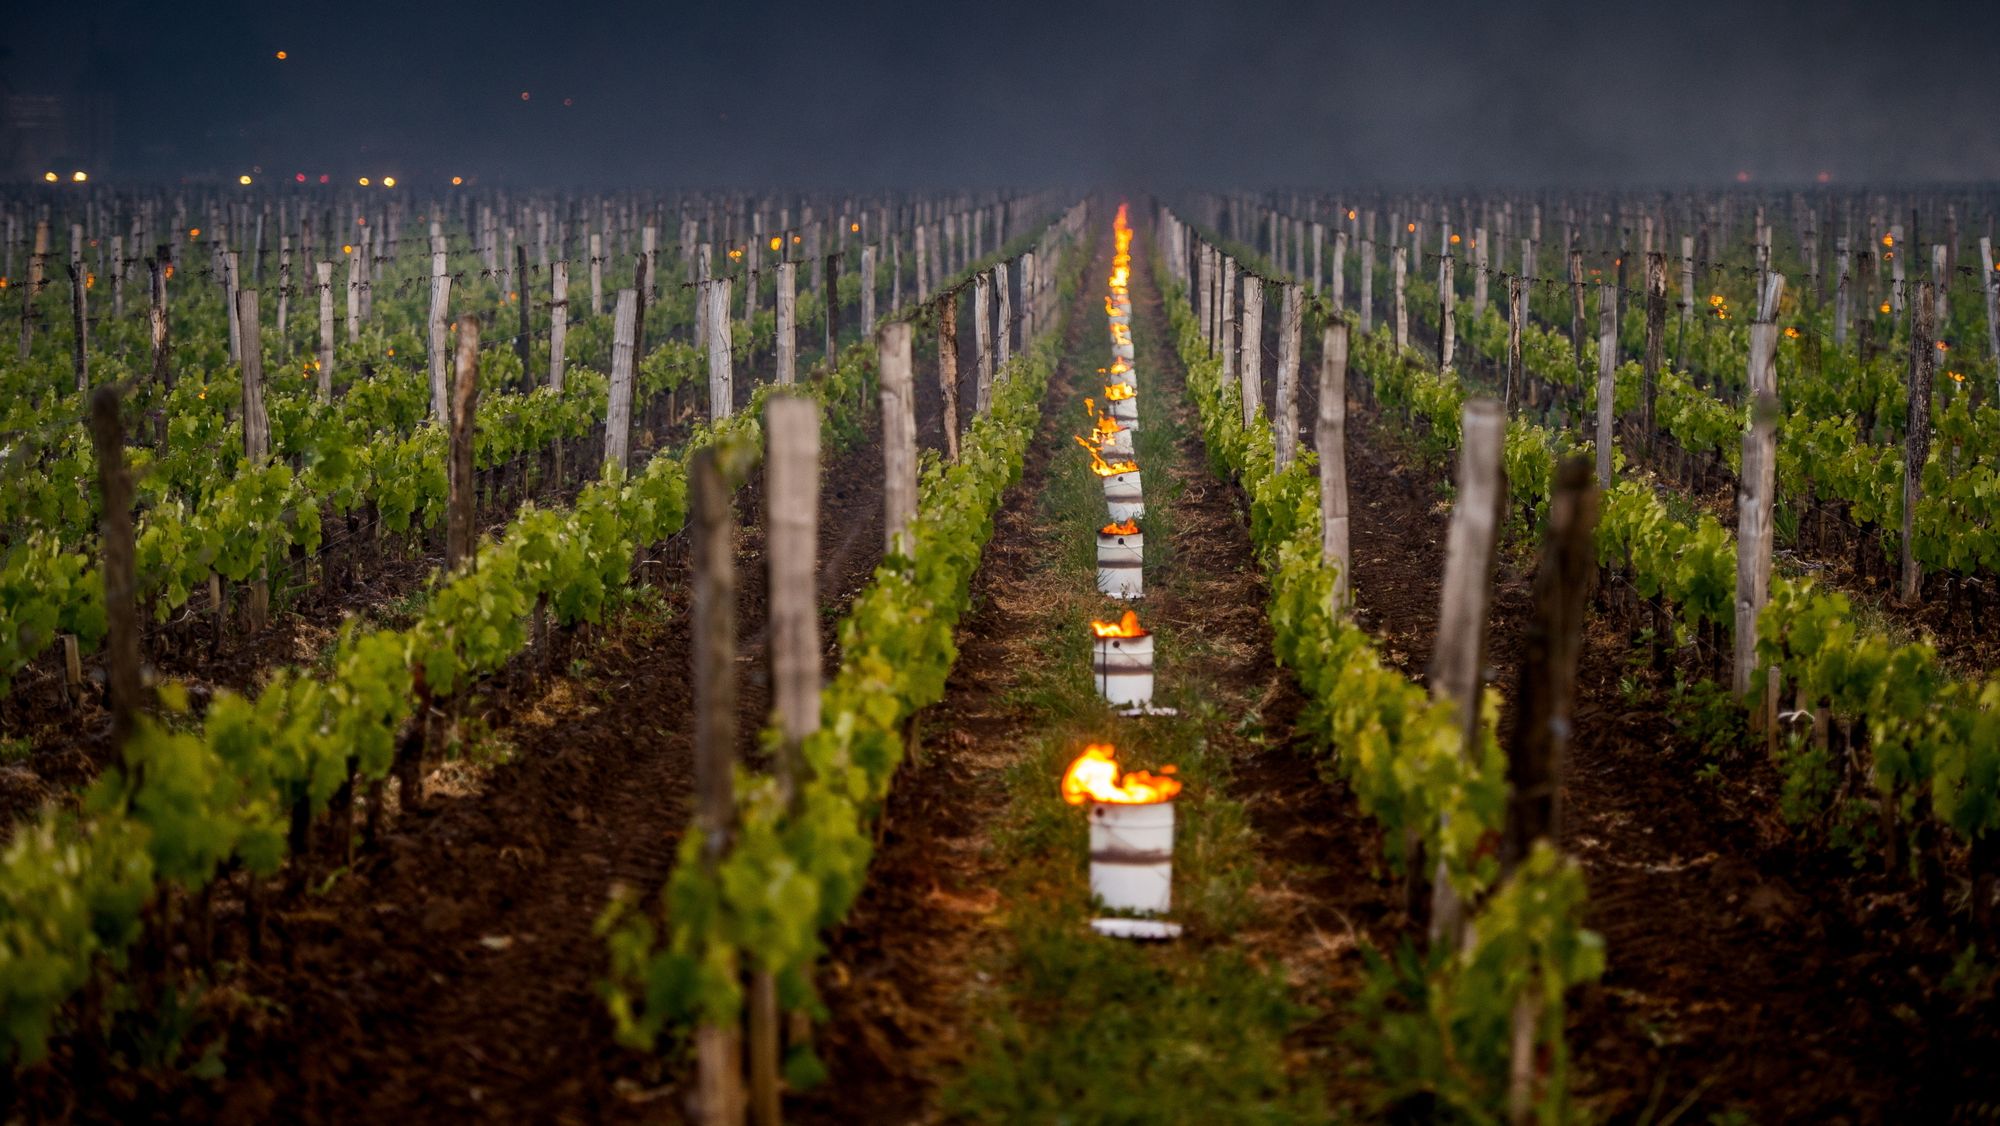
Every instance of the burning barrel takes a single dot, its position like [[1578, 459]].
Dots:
[[1123, 402], [1122, 662], [1121, 553], [1131, 834]]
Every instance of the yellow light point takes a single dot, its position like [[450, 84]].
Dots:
[[457, 180], [1792, 332], [244, 180], [1350, 213], [1454, 240], [797, 240], [50, 177], [388, 181], [1943, 347], [777, 243], [347, 248], [363, 181], [1410, 227], [282, 56], [735, 254], [1715, 299], [89, 280], [1956, 376], [1888, 240], [79, 177], [854, 228], [194, 232], [392, 351], [1885, 306]]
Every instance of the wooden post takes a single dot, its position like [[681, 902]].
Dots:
[[1226, 322], [524, 335], [1917, 430], [79, 332], [1447, 310], [558, 322], [1576, 315], [460, 516], [1003, 324], [1841, 293], [1756, 495], [1656, 338], [1607, 376], [596, 275], [1291, 311], [867, 291], [618, 409], [1545, 688], [124, 687], [1367, 286], [354, 268], [1339, 270], [157, 320], [256, 423], [1250, 364], [440, 343], [1399, 276], [788, 329], [721, 376], [1027, 299], [718, 1047], [323, 277], [830, 291], [899, 436], [923, 265], [284, 291], [1458, 663], [1545, 693], [1330, 438], [948, 371], [1517, 289], [982, 340], [1989, 285], [1479, 272]]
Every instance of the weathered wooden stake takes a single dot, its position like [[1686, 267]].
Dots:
[[899, 436], [124, 686], [1517, 289], [719, 1046], [1917, 429], [1607, 377], [982, 341], [558, 322], [323, 277], [1756, 495], [1330, 438], [721, 373], [1458, 664], [1250, 364], [618, 407], [79, 331], [460, 515], [1003, 337], [1399, 276], [1291, 311], [948, 371]]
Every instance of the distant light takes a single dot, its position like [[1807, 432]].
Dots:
[[79, 177], [1412, 227], [1743, 177], [796, 240], [388, 181], [301, 177], [1350, 213], [1454, 240], [524, 95], [50, 177], [282, 56], [244, 180], [1824, 177], [776, 242], [194, 232], [569, 101], [363, 181], [1888, 240], [323, 178], [347, 248], [854, 228], [457, 180]]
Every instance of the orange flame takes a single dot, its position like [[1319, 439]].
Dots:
[[1118, 392], [1128, 626], [1128, 528], [1106, 468], [1093, 776]]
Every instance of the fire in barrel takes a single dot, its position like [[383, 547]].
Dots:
[[1122, 661], [1122, 493], [1131, 837]]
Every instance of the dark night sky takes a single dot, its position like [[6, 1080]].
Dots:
[[1164, 93]]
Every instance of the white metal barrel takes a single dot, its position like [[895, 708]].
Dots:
[[1123, 670], [1132, 856], [1120, 564], [1123, 497]]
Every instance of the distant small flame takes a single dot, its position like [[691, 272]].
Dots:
[[1127, 626], [1128, 528], [1093, 776]]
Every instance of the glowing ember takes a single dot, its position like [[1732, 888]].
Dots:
[[1094, 777], [1106, 468], [1128, 626]]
